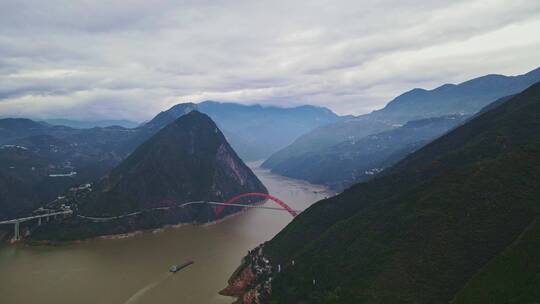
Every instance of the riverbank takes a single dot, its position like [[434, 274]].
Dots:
[[168, 227], [251, 282], [121, 236], [78, 237]]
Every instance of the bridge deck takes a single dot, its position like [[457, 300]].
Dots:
[[102, 219], [24, 219], [110, 218]]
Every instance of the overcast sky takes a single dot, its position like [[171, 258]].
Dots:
[[131, 59]]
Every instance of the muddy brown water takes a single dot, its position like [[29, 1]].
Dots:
[[135, 269]]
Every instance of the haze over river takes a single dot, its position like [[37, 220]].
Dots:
[[135, 269]]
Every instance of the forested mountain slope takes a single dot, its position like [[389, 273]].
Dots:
[[422, 230]]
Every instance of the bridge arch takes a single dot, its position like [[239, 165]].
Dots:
[[220, 209]]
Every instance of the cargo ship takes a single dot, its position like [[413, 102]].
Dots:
[[176, 268]]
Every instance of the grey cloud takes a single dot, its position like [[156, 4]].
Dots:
[[117, 59]]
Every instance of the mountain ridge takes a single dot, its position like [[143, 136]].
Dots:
[[256, 130], [193, 135], [464, 99], [470, 96]]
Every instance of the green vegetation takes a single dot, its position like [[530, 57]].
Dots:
[[511, 277], [301, 157], [421, 231], [188, 160]]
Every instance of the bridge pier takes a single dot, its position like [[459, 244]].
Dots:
[[16, 235], [17, 222], [39, 221]]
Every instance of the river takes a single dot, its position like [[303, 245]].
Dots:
[[135, 269]]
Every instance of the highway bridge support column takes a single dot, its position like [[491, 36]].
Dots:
[[16, 235], [39, 221]]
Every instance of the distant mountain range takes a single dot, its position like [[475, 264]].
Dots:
[[339, 154], [255, 131], [464, 98], [457, 221], [88, 124]]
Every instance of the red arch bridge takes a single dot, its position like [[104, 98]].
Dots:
[[231, 202]]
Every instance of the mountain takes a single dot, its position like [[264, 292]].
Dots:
[[188, 160], [254, 131], [19, 130], [15, 196], [89, 153], [12, 128], [464, 99], [45, 160], [457, 220], [358, 159], [88, 124], [322, 138], [22, 176], [164, 118]]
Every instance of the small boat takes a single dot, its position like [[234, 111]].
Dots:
[[176, 268]]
